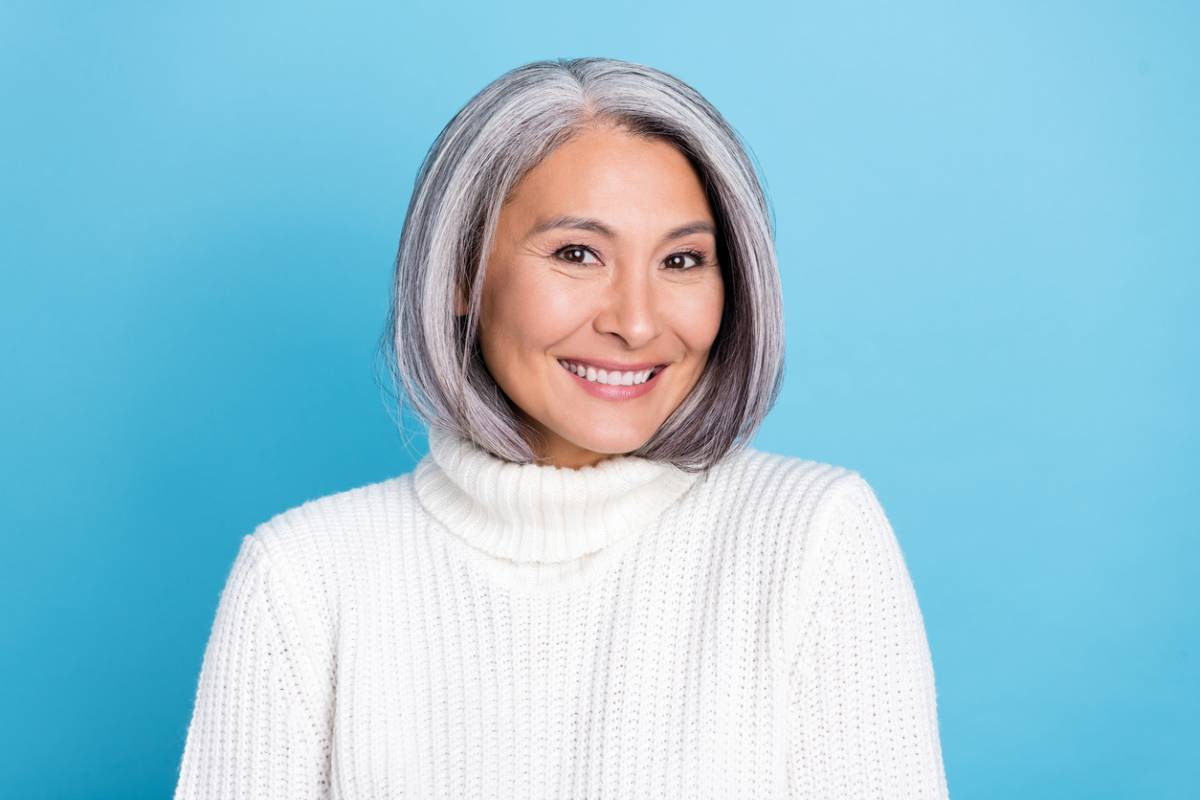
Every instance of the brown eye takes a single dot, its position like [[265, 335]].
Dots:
[[573, 253], [677, 261]]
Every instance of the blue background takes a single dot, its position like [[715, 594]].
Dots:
[[987, 226]]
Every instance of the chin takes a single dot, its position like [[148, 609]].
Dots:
[[615, 443]]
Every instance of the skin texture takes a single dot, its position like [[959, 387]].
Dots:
[[633, 297]]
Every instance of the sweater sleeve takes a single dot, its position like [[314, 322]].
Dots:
[[253, 732], [863, 711]]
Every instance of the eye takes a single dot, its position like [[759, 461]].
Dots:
[[574, 253], [677, 261]]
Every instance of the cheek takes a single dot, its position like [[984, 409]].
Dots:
[[531, 308], [696, 314]]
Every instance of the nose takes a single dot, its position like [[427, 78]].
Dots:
[[630, 308]]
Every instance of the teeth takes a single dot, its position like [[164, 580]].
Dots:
[[611, 378]]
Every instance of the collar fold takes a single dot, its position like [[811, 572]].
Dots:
[[539, 513]]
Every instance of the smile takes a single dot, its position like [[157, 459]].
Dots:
[[610, 378], [613, 385]]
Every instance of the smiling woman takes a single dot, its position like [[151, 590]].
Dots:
[[592, 585], [600, 211]]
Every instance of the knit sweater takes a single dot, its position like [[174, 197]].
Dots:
[[482, 628]]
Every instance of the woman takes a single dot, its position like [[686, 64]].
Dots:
[[592, 586]]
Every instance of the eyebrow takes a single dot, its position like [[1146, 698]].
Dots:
[[596, 226]]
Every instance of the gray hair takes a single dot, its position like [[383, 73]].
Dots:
[[470, 171]]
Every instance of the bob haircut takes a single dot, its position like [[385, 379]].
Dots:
[[469, 172]]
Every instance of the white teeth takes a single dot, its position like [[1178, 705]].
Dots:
[[611, 378]]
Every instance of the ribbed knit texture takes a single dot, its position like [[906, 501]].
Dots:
[[478, 628]]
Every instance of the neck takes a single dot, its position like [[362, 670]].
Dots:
[[540, 513]]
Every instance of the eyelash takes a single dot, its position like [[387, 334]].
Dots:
[[696, 254]]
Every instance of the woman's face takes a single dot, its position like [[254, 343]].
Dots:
[[605, 255]]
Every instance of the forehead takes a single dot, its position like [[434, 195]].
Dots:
[[613, 175]]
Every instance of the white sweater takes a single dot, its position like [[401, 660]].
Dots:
[[480, 628]]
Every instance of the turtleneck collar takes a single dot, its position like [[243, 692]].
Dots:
[[534, 512]]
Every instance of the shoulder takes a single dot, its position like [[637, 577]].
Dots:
[[318, 543], [815, 505], [322, 529], [337, 515], [783, 507], [798, 511], [847, 547], [779, 489]]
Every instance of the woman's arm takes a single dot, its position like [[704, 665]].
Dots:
[[254, 730], [863, 710]]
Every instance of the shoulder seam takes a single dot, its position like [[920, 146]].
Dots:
[[278, 583], [817, 557]]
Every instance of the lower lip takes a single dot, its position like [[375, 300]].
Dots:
[[608, 392]]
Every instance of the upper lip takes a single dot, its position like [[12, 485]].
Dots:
[[612, 365]]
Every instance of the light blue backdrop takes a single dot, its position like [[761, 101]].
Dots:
[[987, 223]]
